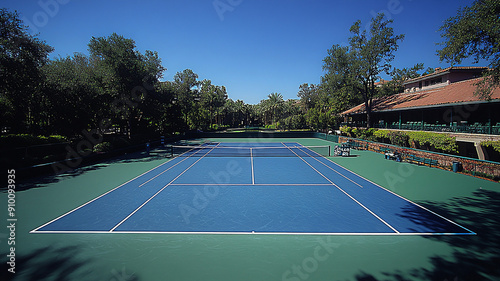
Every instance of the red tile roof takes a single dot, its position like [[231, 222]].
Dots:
[[459, 92], [441, 71]]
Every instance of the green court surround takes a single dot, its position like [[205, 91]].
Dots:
[[471, 202]]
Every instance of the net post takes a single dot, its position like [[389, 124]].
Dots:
[[329, 150], [170, 149]]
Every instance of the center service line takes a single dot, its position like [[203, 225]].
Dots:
[[251, 164], [347, 178], [138, 208], [359, 203]]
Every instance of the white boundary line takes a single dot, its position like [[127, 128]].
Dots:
[[92, 200], [251, 164], [263, 233], [170, 167], [250, 184], [359, 203], [315, 158], [416, 204], [469, 232], [138, 208]]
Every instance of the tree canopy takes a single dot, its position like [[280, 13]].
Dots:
[[475, 32], [358, 66], [116, 89], [21, 59]]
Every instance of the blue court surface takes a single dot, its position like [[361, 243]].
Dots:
[[252, 188]]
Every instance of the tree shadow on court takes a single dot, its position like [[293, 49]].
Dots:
[[51, 176], [61, 264], [474, 257]]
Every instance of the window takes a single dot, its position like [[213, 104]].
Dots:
[[436, 80]]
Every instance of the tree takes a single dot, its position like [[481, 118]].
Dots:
[[134, 74], [76, 90], [21, 58], [186, 84], [399, 76], [475, 32], [275, 105], [358, 66], [307, 94], [212, 98]]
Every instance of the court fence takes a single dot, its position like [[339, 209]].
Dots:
[[265, 135], [478, 168]]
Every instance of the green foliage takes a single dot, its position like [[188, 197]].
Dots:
[[103, 147], [440, 142], [367, 134], [425, 140], [399, 76], [474, 32], [494, 144], [21, 140], [358, 66], [381, 134], [346, 130], [359, 133], [294, 122], [398, 138], [21, 58]]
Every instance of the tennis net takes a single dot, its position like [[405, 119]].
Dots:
[[224, 151]]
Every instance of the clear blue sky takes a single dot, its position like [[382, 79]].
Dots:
[[253, 47]]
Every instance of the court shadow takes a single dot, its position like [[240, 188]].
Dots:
[[25, 181], [474, 257], [60, 263]]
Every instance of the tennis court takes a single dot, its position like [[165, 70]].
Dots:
[[251, 188]]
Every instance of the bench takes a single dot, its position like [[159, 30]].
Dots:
[[343, 150], [422, 160], [355, 145], [393, 156]]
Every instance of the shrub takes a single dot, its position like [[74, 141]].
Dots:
[[493, 144], [440, 142], [346, 130], [381, 135], [398, 138], [366, 134], [425, 140], [21, 140], [103, 147]]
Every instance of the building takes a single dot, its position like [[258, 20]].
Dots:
[[445, 97], [443, 101]]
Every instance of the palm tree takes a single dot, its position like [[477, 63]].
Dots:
[[275, 105]]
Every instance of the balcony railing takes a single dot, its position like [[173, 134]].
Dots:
[[476, 128]]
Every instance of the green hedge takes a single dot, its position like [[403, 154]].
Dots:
[[21, 140], [441, 142], [425, 140], [103, 147], [494, 144]]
